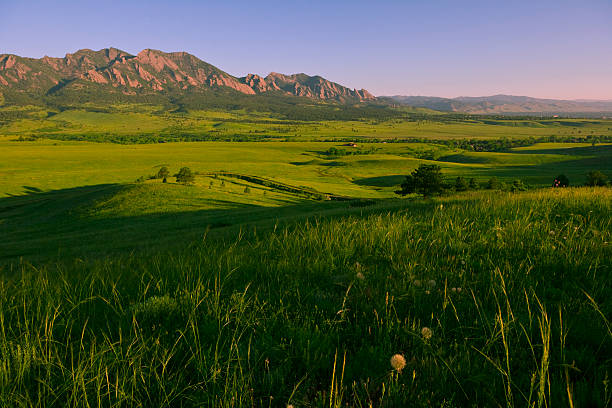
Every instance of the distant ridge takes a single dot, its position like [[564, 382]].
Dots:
[[505, 104], [151, 71]]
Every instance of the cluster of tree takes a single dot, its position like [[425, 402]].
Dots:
[[334, 151], [184, 175], [428, 180], [595, 178]]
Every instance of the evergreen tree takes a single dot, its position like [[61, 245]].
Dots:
[[426, 180]]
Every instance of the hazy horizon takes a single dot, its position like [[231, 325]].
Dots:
[[550, 50]]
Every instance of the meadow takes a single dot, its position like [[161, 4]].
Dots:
[[137, 123], [490, 299], [289, 273]]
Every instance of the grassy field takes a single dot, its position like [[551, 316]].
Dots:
[[45, 165], [289, 272], [144, 122], [88, 188], [490, 299]]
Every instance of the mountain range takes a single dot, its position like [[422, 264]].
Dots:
[[111, 70], [505, 104], [112, 75]]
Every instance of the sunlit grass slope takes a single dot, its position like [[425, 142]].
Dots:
[[492, 299], [45, 165], [91, 122]]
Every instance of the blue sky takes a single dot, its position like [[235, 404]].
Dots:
[[555, 49]]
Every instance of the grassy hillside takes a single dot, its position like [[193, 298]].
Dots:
[[370, 170], [492, 299]]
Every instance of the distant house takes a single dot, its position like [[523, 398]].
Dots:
[[350, 144]]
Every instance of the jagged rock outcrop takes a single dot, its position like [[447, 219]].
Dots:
[[314, 87], [155, 71]]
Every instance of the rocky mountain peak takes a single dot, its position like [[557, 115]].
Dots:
[[153, 71]]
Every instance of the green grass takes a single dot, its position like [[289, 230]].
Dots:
[[144, 121], [45, 165], [515, 289], [263, 291]]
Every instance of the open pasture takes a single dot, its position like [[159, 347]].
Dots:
[[149, 123], [45, 165]]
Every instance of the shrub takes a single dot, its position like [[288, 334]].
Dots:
[[561, 181], [461, 184], [473, 184], [494, 184], [185, 176], [517, 185], [163, 173], [596, 178]]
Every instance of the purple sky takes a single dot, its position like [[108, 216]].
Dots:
[[541, 48]]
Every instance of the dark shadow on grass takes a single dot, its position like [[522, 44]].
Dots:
[[605, 150], [461, 158], [56, 225], [543, 174], [382, 181], [30, 189]]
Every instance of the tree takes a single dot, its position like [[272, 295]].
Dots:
[[561, 181], [494, 184], [247, 190], [426, 180], [473, 184], [185, 176], [461, 184], [596, 178], [517, 185], [163, 173]]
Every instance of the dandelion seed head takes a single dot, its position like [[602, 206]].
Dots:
[[417, 283], [398, 362], [427, 333], [360, 276], [431, 283]]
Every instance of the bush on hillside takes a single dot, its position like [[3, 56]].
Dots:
[[163, 172], [185, 176], [561, 181], [494, 184], [517, 185], [461, 184], [596, 178]]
